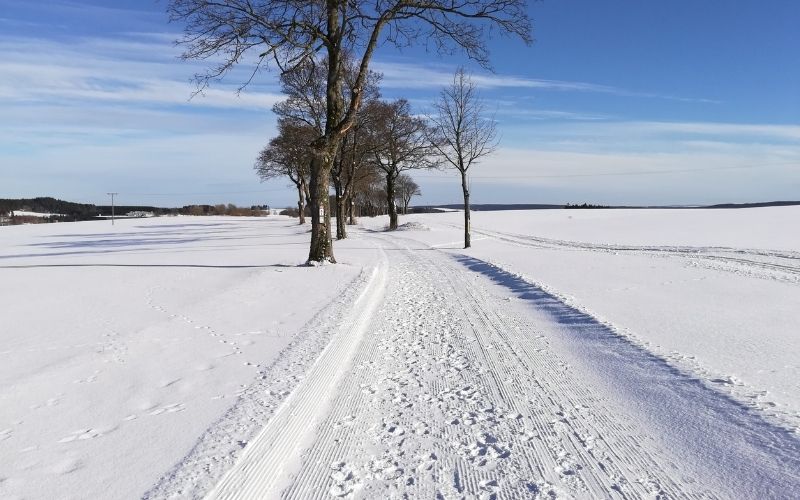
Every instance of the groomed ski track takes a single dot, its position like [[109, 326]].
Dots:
[[435, 387]]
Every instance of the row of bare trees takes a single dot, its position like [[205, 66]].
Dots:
[[385, 141], [292, 34]]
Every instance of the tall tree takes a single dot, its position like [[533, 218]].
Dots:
[[406, 189], [291, 32], [402, 145], [288, 155], [352, 161], [304, 87], [462, 134]]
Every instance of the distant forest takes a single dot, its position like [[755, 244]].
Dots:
[[70, 211]]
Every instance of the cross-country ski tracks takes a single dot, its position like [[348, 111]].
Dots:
[[735, 451], [437, 388], [219, 448], [271, 455], [449, 398], [765, 264]]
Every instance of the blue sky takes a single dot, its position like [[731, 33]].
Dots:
[[624, 102]]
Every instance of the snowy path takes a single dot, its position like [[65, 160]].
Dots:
[[452, 392]]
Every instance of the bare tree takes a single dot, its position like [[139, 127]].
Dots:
[[352, 161], [304, 87], [288, 155], [292, 32], [368, 195], [371, 198], [406, 189], [462, 134], [401, 144]]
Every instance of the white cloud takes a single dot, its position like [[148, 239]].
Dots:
[[780, 132], [649, 135], [680, 177], [142, 72], [405, 75]]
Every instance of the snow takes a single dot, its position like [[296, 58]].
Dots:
[[569, 353], [413, 226], [713, 291], [122, 344], [24, 213]]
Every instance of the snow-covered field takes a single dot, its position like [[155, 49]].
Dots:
[[569, 353], [23, 213]]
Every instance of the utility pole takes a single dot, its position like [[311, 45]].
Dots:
[[112, 206]]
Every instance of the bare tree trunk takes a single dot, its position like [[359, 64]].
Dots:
[[351, 207], [341, 229], [465, 189], [301, 202], [321, 248], [390, 201]]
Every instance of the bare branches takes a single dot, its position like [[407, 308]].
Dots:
[[304, 86], [461, 133], [400, 143], [400, 140], [286, 32], [288, 154], [291, 33], [406, 189]]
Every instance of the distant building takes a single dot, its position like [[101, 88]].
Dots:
[[139, 213]]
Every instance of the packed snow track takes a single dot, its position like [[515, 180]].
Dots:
[[589, 354], [435, 388]]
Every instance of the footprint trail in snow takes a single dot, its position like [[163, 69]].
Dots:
[[449, 394]]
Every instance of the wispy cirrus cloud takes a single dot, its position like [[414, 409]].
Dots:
[[737, 130], [406, 75], [140, 70]]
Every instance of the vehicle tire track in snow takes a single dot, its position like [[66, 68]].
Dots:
[[449, 398], [268, 459]]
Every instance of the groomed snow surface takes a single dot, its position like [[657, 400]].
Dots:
[[568, 354]]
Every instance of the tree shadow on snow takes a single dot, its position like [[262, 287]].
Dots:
[[717, 431]]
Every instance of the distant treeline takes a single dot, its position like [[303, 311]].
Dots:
[[585, 205], [69, 211], [66, 211], [756, 205], [221, 209]]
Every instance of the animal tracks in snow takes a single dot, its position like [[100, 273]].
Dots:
[[81, 435]]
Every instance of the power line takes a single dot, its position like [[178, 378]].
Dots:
[[112, 206]]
